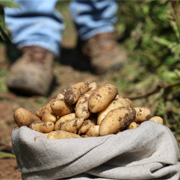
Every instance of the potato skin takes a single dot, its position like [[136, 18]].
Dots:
[[60, 107], [72, 95], [63, 119], [92, 86], [23, 117], [101, 97], [119, 101], [49, 116], [43, 127], [157, 119], [72, 126], [93, 132], [87, 124], [82, 106], [142, 114], [116, 120], [132, 125], [44, 109], [62, 135]]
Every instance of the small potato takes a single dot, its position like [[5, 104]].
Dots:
[[62, 135], [92, 86], [157, 119], [60, 96], [82, 107], [44, 127], [142, 114], [60, 107], [101, 97], [93, 131], [63, 119], [49, 116], [130, 102], [72, 95], [132, 125], [44, 109], [72, 126], [87, 124], [119, 101], [23, 117], [116, 120]]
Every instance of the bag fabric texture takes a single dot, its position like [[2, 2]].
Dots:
[[147, 152]]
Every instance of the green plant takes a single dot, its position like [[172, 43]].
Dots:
[[3, 31]]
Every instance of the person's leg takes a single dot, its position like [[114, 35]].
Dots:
[[35, 24], [36, 29], [94, 20]]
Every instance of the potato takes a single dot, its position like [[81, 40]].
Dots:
[[60, 107], [101, 97], [142, 114], [92, 86], [93, 131], [119, 101], [72, 126], [44, 127], [130, 102], [87, 124], [116, 120], [62, 135], [49, 116], [63, 119], [157, 119], [132, 125], [44, 109], [82, 107], [23, 117], [72, 95]]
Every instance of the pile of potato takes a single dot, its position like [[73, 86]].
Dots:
[[85, 110]]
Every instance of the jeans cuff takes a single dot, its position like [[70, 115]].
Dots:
[[89, 34], [49, 46]]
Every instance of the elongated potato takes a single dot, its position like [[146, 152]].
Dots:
[[93, 131], [49, 116], [44, 109], [116, 120], [82, 106], [43, 127], [92, 86], [157, 119], [23, 117], [72, 126], [72, 95], [101, 97], [142, 114], [62, 135], [87, 124], [60, 107], [119, 101], [63, 119]]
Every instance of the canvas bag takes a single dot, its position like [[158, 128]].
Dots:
[[148, 152]]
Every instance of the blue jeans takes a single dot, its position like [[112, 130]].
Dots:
[[37, 23]]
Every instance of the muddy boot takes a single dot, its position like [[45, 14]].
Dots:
[[103, 53], [32, 73]]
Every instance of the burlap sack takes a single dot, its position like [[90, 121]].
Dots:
[[148, 152]]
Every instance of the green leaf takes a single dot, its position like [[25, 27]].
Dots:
[[7, 155], [9, 3], [3, 31]]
